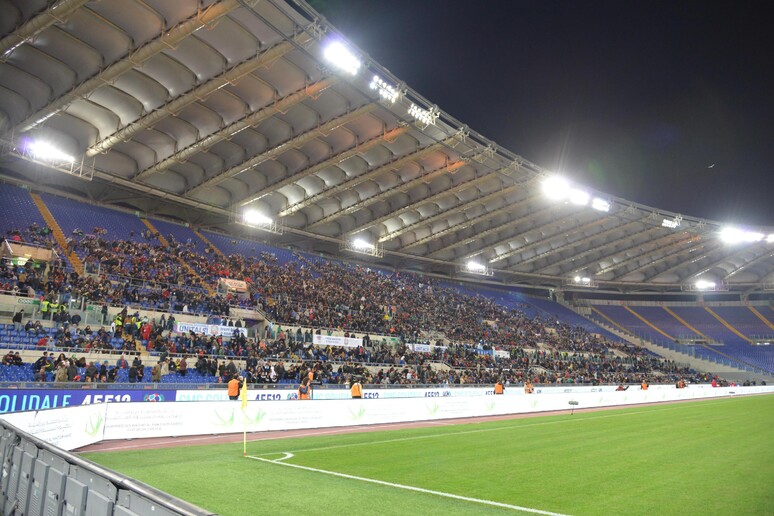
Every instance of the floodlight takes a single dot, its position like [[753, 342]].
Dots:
[[386, 92], [705, 285], [580, 281], [669, 223], [359, 243], [476, 267], [770, 238], [600, 204], [255, 218], [422, 116], [556, 188], [44, 151], [579, 197], [731, 235], [340, 56], [362, 246]]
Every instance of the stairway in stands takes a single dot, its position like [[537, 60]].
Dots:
[[190, 269], [210, 244], [58, 234]]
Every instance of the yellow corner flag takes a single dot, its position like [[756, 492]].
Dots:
[[243, 396]]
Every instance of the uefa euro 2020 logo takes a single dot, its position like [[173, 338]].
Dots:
[[153, 397]]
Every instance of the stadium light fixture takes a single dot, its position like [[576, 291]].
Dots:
[[474, 267], [423, 116], [705, 285], [579, 197], [770, 238], [556, 188], [731, 235], [44, 151], [581, 281], [669, 223], [362, 245], [255, 218], [341, 57], [600, 204], [386, 91]]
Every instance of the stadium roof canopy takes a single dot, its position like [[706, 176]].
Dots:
[[196, 110]]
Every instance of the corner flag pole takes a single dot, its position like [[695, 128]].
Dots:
[[243, 396]]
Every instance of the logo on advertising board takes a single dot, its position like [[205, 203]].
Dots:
[[292, 396], [156, 396]]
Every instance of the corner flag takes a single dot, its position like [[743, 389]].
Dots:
[[243, 396]]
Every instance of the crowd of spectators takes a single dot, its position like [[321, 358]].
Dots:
[[316, 293]]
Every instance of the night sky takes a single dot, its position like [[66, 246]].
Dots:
[[669, 104]]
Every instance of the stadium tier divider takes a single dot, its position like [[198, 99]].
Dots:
[[37, 478]]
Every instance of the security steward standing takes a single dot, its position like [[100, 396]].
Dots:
[[356, 389], [499, 388], [234, 385]]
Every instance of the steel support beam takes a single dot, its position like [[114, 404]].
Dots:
[[395, 164], [166, 39], [57, 12], [445, 213], [412, 206], [333, 160], [282, 148], [424, 178], [227, 132]]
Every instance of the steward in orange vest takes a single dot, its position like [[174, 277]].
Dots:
[[356, 389], [304, 390], [499, 389], [233, 388]]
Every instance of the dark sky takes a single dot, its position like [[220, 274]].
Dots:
[[636, 99]]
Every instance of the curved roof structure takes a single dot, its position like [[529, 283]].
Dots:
[[196, 110]]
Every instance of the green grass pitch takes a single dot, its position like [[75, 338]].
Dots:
[[708, 457]]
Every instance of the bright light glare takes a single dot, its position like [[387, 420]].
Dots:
[[738, 236], [577, 279], [359, 243], [585, 280], [770, 238], [256, 218], [600, 204], [386, 91], [475, 266], [422, 116], [669, 223], [46, 151], [341, 57], [705, 285], [579, 197], [556, 188]]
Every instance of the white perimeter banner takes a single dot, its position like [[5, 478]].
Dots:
[[72, 427], [68, 428], [136, 420], [291, 393]]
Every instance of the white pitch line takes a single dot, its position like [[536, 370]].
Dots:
[[403, 486]]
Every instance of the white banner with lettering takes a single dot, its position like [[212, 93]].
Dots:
[[208, 329], [331, 340]]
